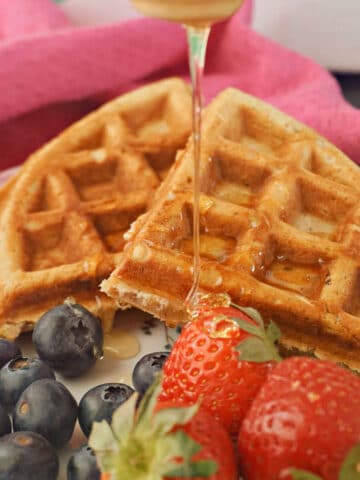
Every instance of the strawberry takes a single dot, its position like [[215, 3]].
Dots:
[[205, 362], [160, 442], [306, 416]]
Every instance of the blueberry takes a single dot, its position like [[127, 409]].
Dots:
[[69, 338], [82, 465], [46, 407], [100, 402], [18, 374], [27, 456], [8, 351], [5, 424], [146, 368]]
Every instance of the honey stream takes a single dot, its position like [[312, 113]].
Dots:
[[197, 16], [197, 42]]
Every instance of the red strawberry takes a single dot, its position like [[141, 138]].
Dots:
[[216, 445], [165, 442], [205, 363], [306, 416]]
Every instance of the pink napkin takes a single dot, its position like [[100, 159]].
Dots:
[[52, 73]]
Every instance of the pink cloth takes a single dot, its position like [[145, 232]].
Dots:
[[52, 73]]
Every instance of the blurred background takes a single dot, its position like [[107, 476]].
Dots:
[[324, 30], [49, 79]]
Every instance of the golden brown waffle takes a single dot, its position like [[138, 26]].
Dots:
[[64, 217], [280, 230]]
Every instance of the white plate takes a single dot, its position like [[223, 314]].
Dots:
[[150, 334], [109, 369]]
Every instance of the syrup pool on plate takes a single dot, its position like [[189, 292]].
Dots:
[[120, 344], [197, 16]]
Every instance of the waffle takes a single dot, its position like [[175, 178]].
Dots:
[[64, 216], [280, 230]]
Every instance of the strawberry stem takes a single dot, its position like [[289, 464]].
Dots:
[[261, 345]]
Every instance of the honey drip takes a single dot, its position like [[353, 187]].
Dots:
[[197, 41]]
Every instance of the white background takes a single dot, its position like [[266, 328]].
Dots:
[[326, 30]]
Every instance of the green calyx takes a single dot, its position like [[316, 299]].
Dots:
[[350, 469], [143, 445], [303, 475], [261, 345]]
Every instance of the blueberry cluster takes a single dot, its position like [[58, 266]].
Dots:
[[38, 413]]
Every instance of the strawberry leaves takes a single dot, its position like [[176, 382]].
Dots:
[[202, 468], [144, 444], [303, 475], [261, 345], [350, 469], [165, 420], [189, 469]]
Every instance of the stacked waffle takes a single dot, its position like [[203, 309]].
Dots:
[[64, 214], [280, 230], [279, 207]]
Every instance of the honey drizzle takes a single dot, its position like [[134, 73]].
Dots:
[[197, 43]]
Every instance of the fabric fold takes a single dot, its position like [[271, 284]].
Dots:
[[52, 73]]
